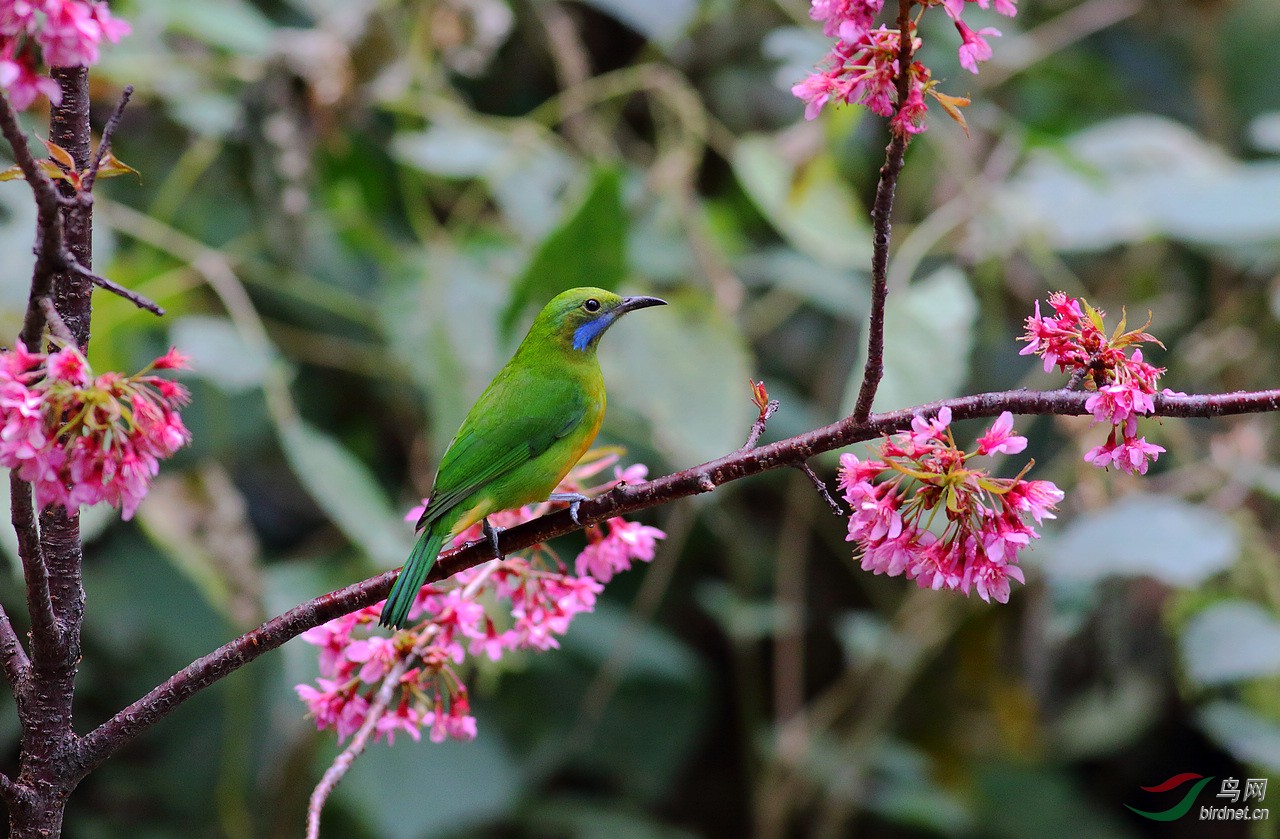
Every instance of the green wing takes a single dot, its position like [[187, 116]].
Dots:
[[516, 419]]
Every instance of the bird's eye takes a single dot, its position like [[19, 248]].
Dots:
[[592, 305]]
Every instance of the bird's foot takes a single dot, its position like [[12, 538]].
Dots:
[[491, 533], [574, 499]]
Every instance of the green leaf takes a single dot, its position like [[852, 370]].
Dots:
[[1150, 535], [439, 320], [660, 21], [684, 368], [114, 167], [588, 248], [1252, 739], [743, 620], [927, 341], [345, 490], [1229, 641], [1018, 800], [591, 819], [651, 653], [807, 201], [844, 293], [525, 171], [451, 147], [1128, 179], [233, 25], [219, 353]]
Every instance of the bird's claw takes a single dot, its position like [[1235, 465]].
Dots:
[[574, 500], [491, 532]]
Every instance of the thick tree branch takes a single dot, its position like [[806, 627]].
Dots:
[[881, 224], [53, 572], [105, 740], [44, 626]]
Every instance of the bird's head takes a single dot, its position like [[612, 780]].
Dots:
[[579, 316]]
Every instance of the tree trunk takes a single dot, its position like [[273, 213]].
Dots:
[[51, 764]]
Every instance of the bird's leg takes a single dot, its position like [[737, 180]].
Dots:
[[575, 500], [491, 533]]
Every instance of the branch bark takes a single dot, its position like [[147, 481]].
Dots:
[[109, 737], [881, 225], [53, 572]]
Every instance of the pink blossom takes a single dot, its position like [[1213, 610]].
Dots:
[[375, 653], [1039, 498], [1104, 455], [82, 440], [1116, 403], [876, 513], [172, 360], [641, 539], [854, 471], [815, 91], [609, 554], [405, 717], [1132, 455], [926, 430], [975, 47], [21, 82], [1000, 437], [633, 474], [927, 484], [463, 617], [910, 116], [992, 581]]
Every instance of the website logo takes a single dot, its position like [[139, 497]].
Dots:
[[1239, 809]]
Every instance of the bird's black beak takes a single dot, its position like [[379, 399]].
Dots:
[[630, 304]]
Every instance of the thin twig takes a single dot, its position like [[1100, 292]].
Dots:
[[343, 762], [105, 740], [821, 486], [132, 296], [57, 328], [108, 131], [757, 428], [881, 222]]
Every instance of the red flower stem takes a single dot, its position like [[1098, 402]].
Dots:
[[105, 740], [881, 223]]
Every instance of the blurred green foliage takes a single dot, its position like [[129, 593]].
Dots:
[[350, 210]]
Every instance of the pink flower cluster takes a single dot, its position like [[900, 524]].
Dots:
[[1124, 385], [81, 439], [936, 518], [65, 33], [862, 66], [499, 607]]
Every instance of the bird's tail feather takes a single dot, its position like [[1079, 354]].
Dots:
[[395, 612]]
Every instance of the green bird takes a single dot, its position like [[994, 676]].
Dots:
[[533, 422]]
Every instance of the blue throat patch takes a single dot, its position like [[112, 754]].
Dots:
[[589, 331]]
